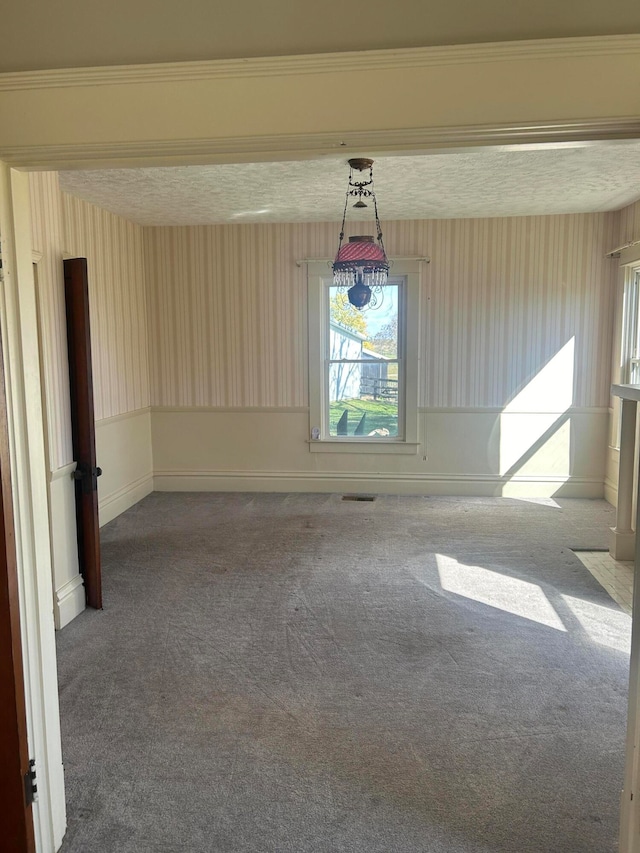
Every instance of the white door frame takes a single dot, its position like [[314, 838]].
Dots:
[[18, 320]]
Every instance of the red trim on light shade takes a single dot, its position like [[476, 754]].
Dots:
[[361, 252]]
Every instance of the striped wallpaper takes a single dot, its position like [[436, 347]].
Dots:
[[505, 295], [629, 228], [500, 298], [113, 248], [115, 260], [228, 313], [225, 306]]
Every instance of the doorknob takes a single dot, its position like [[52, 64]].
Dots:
[[81, 471], [88, 476]]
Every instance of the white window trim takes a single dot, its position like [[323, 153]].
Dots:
[[318, 274], [629, 319]]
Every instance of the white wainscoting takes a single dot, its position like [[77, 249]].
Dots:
[[470, 452], [461, 452], [123, 448], [68, 588], [611, 475]]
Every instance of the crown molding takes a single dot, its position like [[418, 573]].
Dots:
[[306, 146], [323, 63]]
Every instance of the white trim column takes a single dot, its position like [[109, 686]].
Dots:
[[622, 541], [18, 321], [630, 801]]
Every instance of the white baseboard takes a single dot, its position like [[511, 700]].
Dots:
[[611, 492], [113, 505], [69, 602], [407, 484]]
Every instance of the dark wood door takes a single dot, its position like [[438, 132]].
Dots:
[[16, 818], [83, 427]]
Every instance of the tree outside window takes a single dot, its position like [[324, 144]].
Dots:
[[363, 382]]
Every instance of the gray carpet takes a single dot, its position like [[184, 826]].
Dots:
[[296, 673]]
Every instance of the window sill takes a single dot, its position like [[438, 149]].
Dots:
[[362, 446]]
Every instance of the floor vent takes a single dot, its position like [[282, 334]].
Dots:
[[358, 497], [590, 549]]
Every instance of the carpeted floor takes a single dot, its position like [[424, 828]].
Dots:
[[297, 674]]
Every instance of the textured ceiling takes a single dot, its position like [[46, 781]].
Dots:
[[436, 186]]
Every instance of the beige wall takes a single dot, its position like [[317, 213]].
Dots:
[[215, 340], [123, 448], [113, 248], [461, 453], [65, 226], [199, 340], [227, 313], [501, 300], [629, 224]]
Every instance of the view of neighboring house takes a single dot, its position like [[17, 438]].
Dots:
[[345, 379], [357, 376], [367, 378]]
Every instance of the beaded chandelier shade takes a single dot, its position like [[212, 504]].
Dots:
[[361, 266]]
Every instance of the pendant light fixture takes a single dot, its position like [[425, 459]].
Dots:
[[361, 266]]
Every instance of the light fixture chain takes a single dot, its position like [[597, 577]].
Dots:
[[344, 214], [375, 208], [364, 268]]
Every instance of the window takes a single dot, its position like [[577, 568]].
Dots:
[[363, 366], [627, 370], [631, 328]]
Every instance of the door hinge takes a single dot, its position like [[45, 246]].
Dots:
[[31, 784]]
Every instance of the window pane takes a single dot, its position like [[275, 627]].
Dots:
[[361, 402], [635, 306], [371, 333], [363, 386]]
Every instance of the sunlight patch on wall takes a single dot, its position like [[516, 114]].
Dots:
[[533, 412], [512, 595], [551, 458], [551, 389], [606, 626]]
